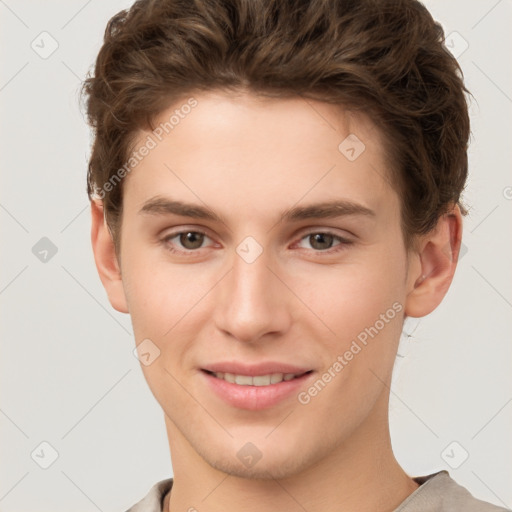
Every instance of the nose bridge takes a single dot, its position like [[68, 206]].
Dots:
[[251, 278], [251, 303]]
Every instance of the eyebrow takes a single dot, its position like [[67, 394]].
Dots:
[[159, 205]]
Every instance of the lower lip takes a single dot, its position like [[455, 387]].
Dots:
[[255, 398]]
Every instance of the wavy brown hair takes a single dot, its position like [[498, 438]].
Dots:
[[386, 58]]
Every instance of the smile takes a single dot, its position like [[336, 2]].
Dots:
[[255, 392], [258, 380]]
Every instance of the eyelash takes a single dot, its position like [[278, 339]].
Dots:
[[343, 242]]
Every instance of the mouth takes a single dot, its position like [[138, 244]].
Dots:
[[256, 380], [256, 392]]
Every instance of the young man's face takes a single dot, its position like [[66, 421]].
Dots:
[[259, 289]]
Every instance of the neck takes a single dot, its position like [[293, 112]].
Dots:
[[361, 474]]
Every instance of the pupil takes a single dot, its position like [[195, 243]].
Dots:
[[195, 239], [322, 238]]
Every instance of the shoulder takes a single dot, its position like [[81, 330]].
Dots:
[[153, 501], [440, 492]]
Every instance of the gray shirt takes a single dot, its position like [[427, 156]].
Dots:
[[437, 492]]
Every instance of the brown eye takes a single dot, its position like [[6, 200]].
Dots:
[[321, 241], [191, 239], [184, 241]]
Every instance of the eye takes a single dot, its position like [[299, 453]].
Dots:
[[322, 241], [189, 240]]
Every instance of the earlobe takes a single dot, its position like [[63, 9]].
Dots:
[[106, 259], [437, 256]]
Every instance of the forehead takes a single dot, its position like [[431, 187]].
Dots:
[[268, 150]]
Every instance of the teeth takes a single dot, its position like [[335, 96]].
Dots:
[[275, 378], [243, 380], [259, 380]]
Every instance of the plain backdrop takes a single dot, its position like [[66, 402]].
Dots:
[[73, 397]]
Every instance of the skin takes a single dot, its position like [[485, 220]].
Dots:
[[249, 159]]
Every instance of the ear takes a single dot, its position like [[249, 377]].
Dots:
[[106, 259], [432, 266]]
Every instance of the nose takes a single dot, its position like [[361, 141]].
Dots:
[[252, 301]]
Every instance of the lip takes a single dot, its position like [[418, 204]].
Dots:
[[255, 398]]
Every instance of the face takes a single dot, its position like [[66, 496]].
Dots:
[[258, 241]]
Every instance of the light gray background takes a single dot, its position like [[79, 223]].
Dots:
[[69, 377]]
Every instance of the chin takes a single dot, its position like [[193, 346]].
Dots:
[[278, 466], [260, 471]]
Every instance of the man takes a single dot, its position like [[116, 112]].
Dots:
[[275, 186]]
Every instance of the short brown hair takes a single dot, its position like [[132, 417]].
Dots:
[[386, 58]]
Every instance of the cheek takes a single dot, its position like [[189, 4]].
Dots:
[[164, 301], [362, 304], [349, 297], [160, 293]]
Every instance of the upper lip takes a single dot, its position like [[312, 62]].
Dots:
[[253, 370]]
